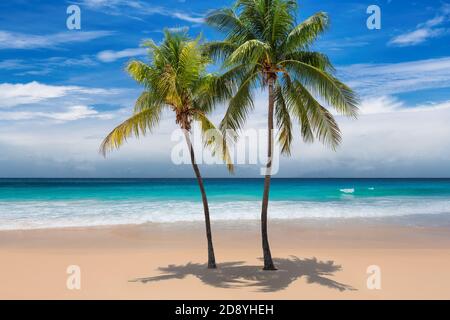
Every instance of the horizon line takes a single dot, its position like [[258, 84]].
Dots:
[[205, 178]]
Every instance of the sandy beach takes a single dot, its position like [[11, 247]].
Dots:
[[316, 260]]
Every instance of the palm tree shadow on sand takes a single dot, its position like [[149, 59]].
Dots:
[[236, 274]]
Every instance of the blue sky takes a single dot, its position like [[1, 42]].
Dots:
[[62, 90]]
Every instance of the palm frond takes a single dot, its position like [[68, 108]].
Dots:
[[146, 100], [226, 20], [252, 51], [139, 124], [211, 90], [252, 14], [139, 71], [284, 122], [313, 117], [239, 105], [295, 105], [280, 19], [219, 50], [313, 58], [191, 64], [213, 139], [329, 88], [306, 32]]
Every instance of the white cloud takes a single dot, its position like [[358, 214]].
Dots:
[[13, 40], [389, 104], [84, 60], [424, 31], [110, 55], [70, 114], [138, 7], [392, 78], [11, 64], [417, 36], [12, 95], [178, 29], [394, 142], [389, 139], [383, 104], [43, 66], [187, 17], [16, 94], [343, 43]]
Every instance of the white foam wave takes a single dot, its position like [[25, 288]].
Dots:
[[41, 214], [347, 190]]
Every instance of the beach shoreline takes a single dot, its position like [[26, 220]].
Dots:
[[317, 259]]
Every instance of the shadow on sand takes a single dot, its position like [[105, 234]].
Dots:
[[236, 274]]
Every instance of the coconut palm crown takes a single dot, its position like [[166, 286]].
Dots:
[[265, 48]]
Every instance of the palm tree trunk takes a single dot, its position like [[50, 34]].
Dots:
[[268, 263], [211, 257]]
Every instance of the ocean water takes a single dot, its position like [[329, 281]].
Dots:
[[43, 203]]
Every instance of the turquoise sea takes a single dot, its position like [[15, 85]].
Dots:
[[42, 203]]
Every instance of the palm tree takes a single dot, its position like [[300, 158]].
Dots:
[[265, 47], [175, 79]]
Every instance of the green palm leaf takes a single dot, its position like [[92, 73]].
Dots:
[[336, 93], [306, 32], [239, 105], [213, 138], [313, 117], [284, 122], [137, 125], [251, 51]]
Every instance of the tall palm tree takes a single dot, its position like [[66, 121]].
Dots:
[[265, 47], [176, 79]]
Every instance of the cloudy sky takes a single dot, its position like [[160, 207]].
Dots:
[[62, 91]]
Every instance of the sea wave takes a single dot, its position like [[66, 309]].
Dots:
[[49, 214]]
